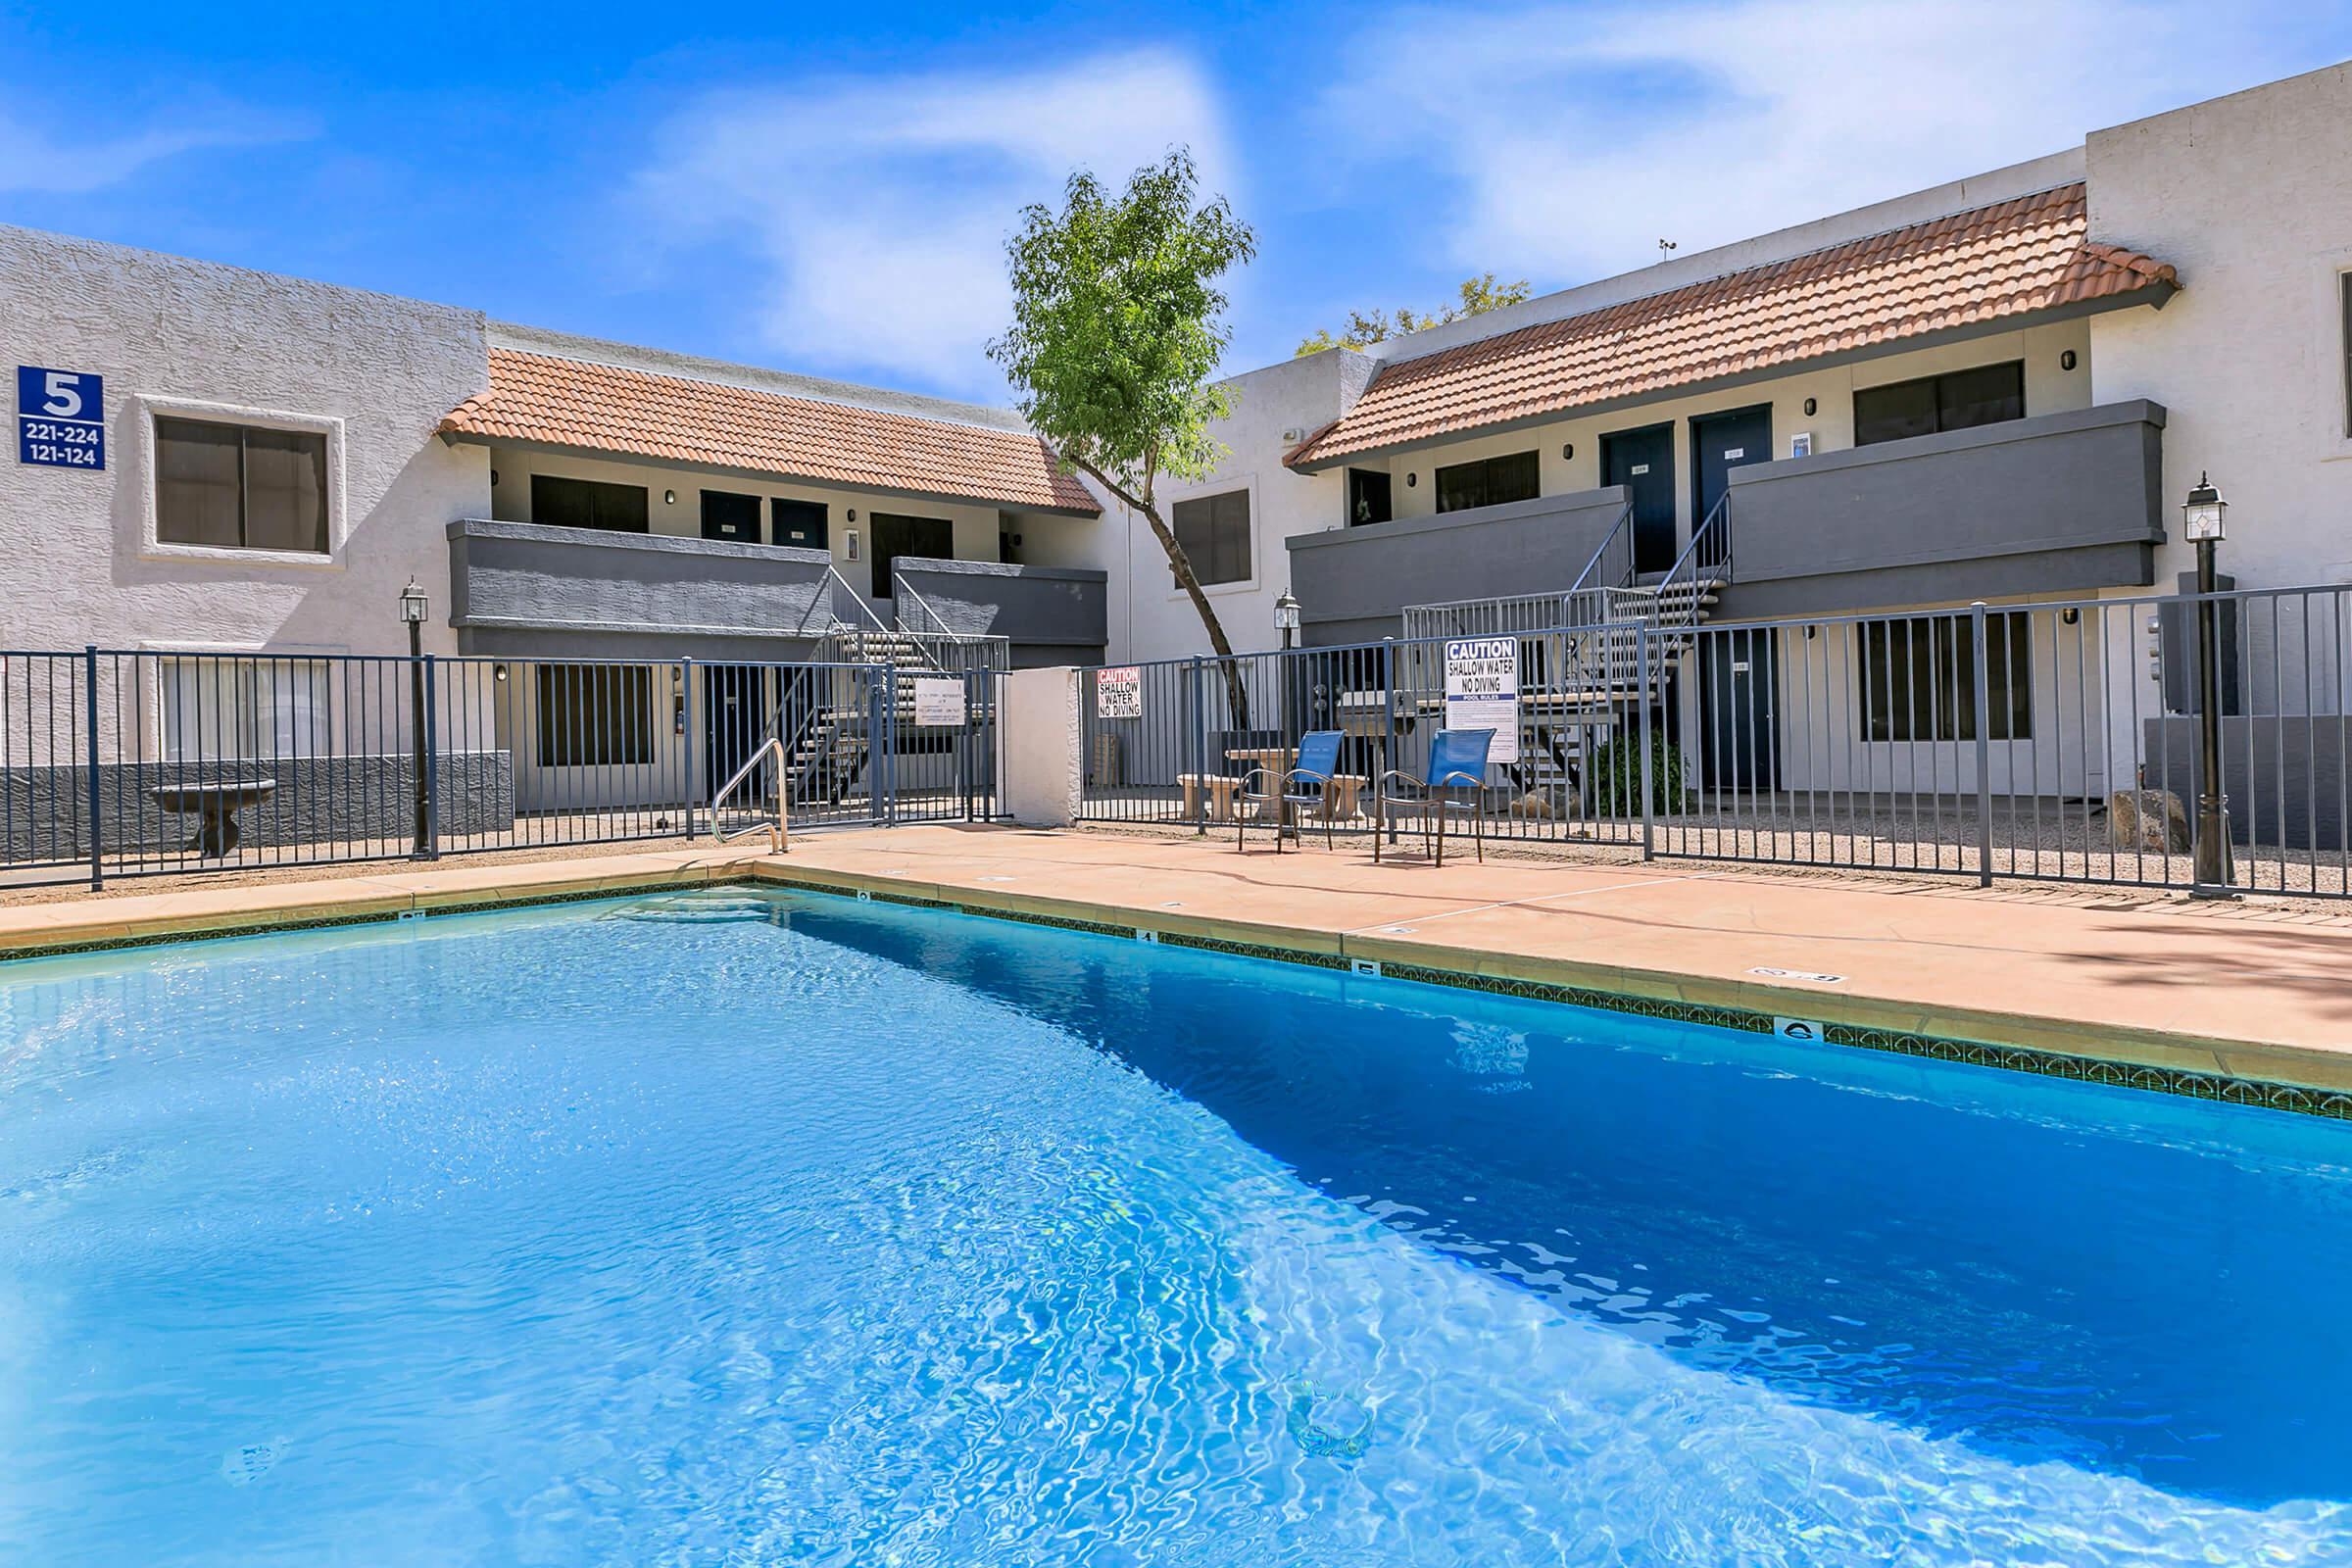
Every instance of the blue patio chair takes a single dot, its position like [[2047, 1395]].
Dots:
[[1457, 760], [1302, 785]]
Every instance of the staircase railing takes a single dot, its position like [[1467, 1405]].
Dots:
[[1709, 552], [974, 650]]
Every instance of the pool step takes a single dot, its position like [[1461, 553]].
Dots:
[[698, 910]]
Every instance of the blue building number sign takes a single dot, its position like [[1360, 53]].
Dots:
[[60, 417]]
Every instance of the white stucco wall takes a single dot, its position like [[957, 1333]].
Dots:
[[377, 372], [2250, 196]]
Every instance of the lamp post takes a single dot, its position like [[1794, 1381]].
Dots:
[[1286, 620], [412, 605], [2202, 523]]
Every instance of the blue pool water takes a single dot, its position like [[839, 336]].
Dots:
[[794, 1230]]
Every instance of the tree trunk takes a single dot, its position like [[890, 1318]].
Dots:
[[1237, 691]]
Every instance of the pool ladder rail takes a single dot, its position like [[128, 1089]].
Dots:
[[777, 825]]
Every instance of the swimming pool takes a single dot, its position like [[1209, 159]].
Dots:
[[785, 1228]]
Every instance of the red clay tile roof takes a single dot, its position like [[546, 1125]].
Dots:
[[551, 401], [2011, 259]]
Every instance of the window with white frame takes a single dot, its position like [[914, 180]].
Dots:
[[213, 708], [2343, 296], [1214, 533], [239, 486]]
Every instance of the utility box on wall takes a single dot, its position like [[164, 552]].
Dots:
[[2177, 643]]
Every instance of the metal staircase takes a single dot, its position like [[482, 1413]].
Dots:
[[1593, 656]]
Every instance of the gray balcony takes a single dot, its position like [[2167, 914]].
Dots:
[[1049, 615], [2061, 502], [526, 588], [1352, 584]]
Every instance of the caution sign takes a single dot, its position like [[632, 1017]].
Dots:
[[1120, 692], [1481, 690]]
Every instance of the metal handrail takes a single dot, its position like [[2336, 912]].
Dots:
[[1718, 515], [1625, 522], [779, 831]]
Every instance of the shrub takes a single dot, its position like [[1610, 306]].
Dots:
[[1616, 780]]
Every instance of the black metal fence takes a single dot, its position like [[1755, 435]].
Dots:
[[117, 762], [2059, 741]]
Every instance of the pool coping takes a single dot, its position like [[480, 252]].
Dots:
[[2296, 1078], [2307, 1081]]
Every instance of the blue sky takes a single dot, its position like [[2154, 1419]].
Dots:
[[826, 189]]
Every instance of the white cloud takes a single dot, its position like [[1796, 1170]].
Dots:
[[881, 205], [34, 159], [1578, 138]]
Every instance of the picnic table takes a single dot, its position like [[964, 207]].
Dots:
[[215, 806]]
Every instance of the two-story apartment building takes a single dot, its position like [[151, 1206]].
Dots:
[[1999, 389], [217, 462]]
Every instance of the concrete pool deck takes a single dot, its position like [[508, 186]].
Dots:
[[2260, 990]]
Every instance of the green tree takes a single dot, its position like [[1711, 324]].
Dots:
[[1116, 332], [1478, 295]]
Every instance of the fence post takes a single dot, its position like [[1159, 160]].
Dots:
[[1199, 740], [687, 748], [1981, 675], [430, 756], [89, 682], [1642, 735], [963, 747], [1386, 760]]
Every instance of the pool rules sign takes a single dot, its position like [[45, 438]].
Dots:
[[60, 417], [1481, 690]]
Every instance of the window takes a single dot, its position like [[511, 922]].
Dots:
[[239, 487], [242, 708], [595, 715], [1917, 680], [562, 502], [1214, 534], [1368, 496], [2343, 285], [799, 522], [730, 516], [1958, 401], [1488, 483]]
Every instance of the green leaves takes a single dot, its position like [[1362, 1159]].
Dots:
[[1118, 322], [1477, 296]]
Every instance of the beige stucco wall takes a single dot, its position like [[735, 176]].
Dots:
[[976, 527], [376, 372], [2250, 196], [2049, 389]]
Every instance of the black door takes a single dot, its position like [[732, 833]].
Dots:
[[1642, 460], [1720, 443], [798, 522], [730, 516], [732, 718], [1367, 497], [925, 538], [1742, 745]]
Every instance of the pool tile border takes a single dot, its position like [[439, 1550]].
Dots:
[[266, 925], [2188, 1083]]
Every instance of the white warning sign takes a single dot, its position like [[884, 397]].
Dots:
[[1481, 690]]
